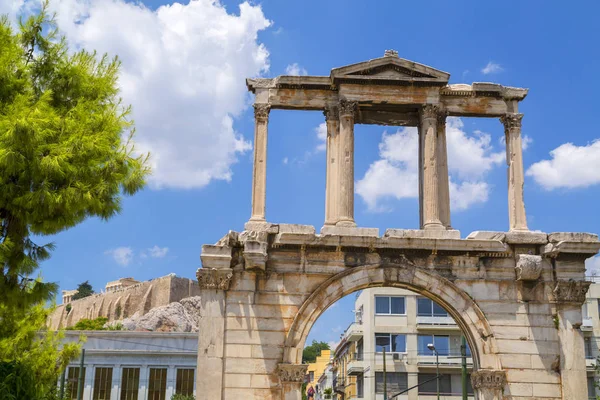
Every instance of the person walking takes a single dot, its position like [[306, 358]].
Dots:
[[310, 393]]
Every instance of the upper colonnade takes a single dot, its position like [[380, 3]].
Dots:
[[397, 92]]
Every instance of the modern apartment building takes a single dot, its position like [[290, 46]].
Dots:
[[122, 365], [591, 333], [403, 324]]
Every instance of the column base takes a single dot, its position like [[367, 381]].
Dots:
[[435, 225], [347, 223]]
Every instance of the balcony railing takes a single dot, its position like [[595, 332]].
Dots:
[[587, 324], [354, 332], [452, 360], [436, 321], [356, 365]]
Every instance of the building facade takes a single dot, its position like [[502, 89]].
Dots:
[[401, 324], [316, 369], [121, 365], [591, 334]]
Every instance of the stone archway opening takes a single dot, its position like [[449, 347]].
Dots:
[[393, 324], [371, 279]]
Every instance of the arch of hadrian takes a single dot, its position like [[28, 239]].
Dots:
[[517, 295]]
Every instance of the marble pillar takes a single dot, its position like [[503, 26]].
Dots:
[[443, 174], [332, 180], [430, 209], [259, 176], [345, 207], [516, 179]]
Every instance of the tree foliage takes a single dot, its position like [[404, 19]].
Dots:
[[310, 353], [65, 148], [32, 360], [84, 289]]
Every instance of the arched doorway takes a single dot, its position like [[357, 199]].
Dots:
[[262, 290]]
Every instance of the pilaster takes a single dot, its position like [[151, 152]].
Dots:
[[291, 377], [516, 180], [259, 176], [345, 205], [488, 384], [211, 347]]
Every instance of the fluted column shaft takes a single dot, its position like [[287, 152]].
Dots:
[[259, 176], [516, 180], [430, 170], [443, 175], [345, 198], [331, 180]]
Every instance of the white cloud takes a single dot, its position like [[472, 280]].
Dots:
[[295, 69], [395, 175], [122, 255], [285, 160], [321, 132], [333, 344], [158, 252], [11, 8], [492, 68], [526, 142], [592, 266], [183, 70], [570, 166]]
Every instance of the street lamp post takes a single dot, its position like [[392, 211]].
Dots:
[[431, 347]]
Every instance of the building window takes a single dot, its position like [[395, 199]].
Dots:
[[591, 387], [390, 305], [428, 384], [311, 376], [587, 341], [102, 383], [429, 308], [185, 381], [157, 384], [441, 343], [395, 343], [72, 382], [396, 382], [360, 386], [130, 383]]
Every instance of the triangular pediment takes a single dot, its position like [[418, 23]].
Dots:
[[389, 69]]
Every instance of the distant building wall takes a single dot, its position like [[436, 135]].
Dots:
[[122, 303]]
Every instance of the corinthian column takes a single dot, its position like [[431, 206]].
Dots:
[[259, 176], [332, 182], [443, 175], [430, 209], [345, 207], [514, 160]]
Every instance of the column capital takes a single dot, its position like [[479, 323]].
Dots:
[[348, 107], [292, 372], [441, 116], [488, 379], [211, 278], [571, 291], [331, 113], [430, 111], [511, 121], [261, 111]]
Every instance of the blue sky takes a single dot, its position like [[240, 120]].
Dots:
[[183, 71]]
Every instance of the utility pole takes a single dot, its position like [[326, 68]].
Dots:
[[385, 397], [62, 385], [463, 354], [80, 380]]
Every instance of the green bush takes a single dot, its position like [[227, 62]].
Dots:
[[182, 397], [90, 324]]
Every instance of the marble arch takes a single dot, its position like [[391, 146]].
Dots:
[[516, 294]]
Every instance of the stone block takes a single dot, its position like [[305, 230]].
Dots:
[[348, 231], [582, 237], [261, 227], [487, 235], [217, 257], [526, 237], [295, 234], [529, 267], [422, 233]]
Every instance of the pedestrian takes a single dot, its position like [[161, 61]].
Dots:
[[311, 393]]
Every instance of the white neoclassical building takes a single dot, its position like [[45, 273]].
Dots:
[[122, 365]]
